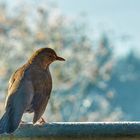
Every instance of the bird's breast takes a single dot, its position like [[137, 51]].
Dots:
[[42, 83]]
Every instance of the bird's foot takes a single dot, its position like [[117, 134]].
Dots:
[[22, 122], [41, 121]]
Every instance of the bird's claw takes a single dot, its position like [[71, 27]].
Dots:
[[41, 121]]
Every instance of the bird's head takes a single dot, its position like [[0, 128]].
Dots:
[[45, 56]]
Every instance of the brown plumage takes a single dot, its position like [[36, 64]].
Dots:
[[29, 90]]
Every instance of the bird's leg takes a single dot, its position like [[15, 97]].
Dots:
[[22, 122], [42, 121]]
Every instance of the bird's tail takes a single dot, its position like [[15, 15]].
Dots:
[[7, 123], [4, 122]]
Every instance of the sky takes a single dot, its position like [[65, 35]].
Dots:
[[121, 16]]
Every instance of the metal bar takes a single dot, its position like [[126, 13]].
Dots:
[[80, 129]]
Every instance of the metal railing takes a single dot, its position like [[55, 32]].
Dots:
[[80, 129]]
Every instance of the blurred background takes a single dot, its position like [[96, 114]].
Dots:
[[100, 81]]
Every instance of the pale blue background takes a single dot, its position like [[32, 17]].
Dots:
[[121, 16]]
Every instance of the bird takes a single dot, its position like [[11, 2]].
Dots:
[[29, 90]]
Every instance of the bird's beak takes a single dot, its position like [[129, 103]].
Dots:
[[60, 58]]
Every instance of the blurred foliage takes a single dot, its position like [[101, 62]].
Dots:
[[126, 82], [80, 91]]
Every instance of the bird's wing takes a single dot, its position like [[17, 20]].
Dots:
[[12, 79], [20, 94]]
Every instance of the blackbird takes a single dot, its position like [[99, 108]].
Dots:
[[29, 90]]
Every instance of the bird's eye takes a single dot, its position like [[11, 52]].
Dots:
[[54, 56], [50, 55]]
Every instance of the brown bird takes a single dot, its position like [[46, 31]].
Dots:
[[29, 90]]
